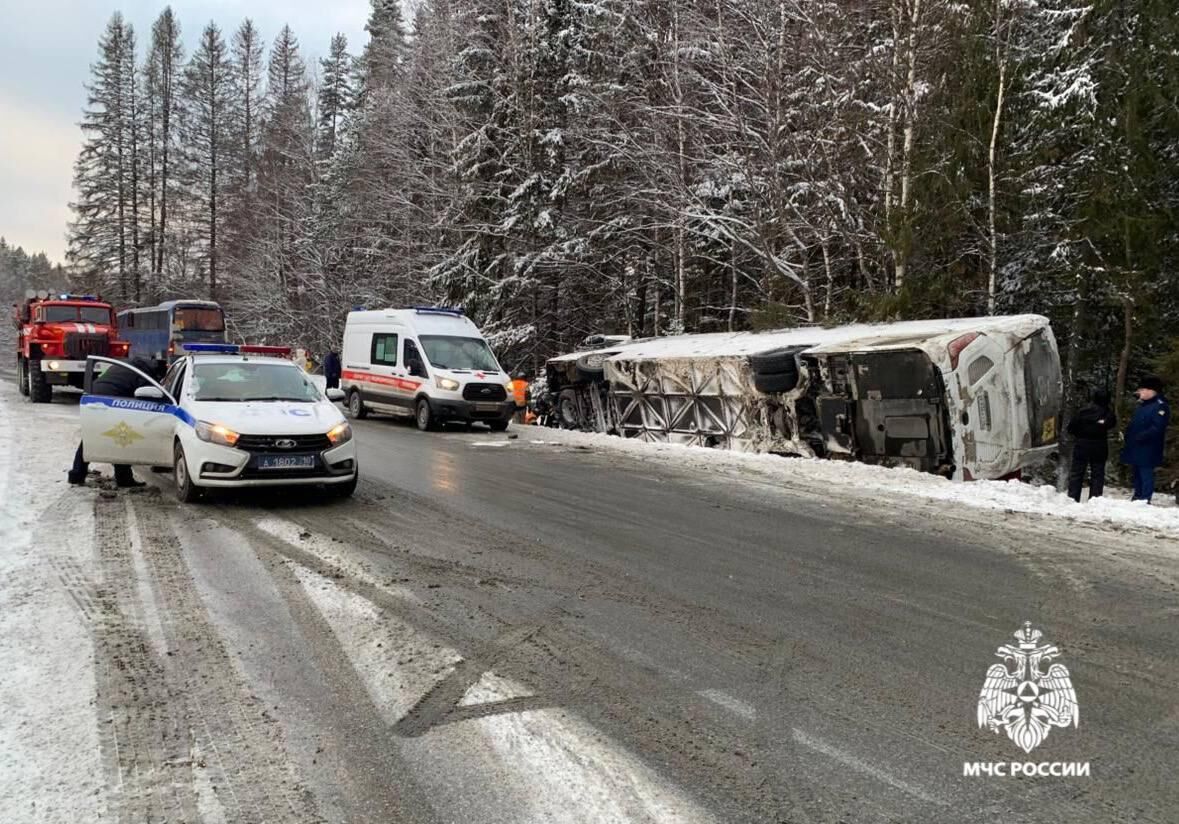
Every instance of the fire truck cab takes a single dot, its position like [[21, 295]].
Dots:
[[56, 335]]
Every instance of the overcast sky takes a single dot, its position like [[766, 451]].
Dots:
[[46, 48]]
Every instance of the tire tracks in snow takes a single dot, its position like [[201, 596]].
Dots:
[[182, 738]]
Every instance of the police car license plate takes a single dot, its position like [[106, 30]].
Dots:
[[486, 407], [286, 462]]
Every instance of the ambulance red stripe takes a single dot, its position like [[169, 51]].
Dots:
[[380, 380]]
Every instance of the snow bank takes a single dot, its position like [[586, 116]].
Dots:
[[1014, 496]]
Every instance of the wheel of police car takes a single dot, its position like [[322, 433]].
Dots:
[[186, 491], [356, 408], [424, 415], [345, 489]]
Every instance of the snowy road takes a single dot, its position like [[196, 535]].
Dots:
[[550, 629]]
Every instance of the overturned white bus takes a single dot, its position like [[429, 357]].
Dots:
[[966, 398]]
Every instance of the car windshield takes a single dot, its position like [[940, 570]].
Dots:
[[449, 352], [251, 381], [95, 314]]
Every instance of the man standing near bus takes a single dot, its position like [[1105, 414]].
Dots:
[[1146, 436]]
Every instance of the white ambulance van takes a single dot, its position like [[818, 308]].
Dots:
[[426, 362]]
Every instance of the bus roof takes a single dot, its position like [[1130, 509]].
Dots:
[[173, 304]]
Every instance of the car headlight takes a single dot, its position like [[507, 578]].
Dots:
[[216, 433], [340, 434], [449, 384]]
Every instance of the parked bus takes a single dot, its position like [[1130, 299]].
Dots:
[[156, 333]]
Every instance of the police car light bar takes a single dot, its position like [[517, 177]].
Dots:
[[236, 349], [439, 310], [258, 349], [210, 348]]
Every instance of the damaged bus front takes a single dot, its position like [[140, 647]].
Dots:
[[967, 398]]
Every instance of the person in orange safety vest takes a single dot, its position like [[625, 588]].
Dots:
[[520, 396]]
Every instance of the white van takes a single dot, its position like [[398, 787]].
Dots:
[[426, 362]]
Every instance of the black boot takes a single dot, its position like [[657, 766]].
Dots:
[[124, 479], [77, 473]]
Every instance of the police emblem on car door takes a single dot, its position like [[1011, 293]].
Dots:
[[120, 430]]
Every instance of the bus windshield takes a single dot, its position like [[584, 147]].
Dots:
[[194, 319], [450, 352]]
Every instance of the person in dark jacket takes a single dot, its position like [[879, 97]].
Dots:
[[1090, 428], [331, 369], [1146, 436], [114, 382]]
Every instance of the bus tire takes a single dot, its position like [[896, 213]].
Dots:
[[779, 360], [771, 382], [356, 407], [39, 389]]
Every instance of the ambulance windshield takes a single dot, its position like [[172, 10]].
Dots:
[[450, 352]]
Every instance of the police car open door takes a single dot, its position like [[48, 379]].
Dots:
[[121, 430]]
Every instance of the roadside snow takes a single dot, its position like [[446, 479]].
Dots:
[[1013, 496], [50, 769]]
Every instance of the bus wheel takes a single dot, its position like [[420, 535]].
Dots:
[[356, 407]]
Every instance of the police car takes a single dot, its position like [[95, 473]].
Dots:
[[225, 416]]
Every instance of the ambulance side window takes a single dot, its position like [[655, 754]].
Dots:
[[384, 350], [413, 360]]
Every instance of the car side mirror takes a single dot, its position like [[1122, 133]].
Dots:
[[149, 393], [335, 394]]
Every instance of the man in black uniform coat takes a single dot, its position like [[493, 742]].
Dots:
[[115, 382], [1090, 428]]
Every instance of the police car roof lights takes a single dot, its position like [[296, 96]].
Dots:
[[440, 310], [235, 349]]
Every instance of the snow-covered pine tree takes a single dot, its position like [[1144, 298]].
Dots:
[[335, 97], [285, 175], [161, 88], [207, 143], [101, 238]]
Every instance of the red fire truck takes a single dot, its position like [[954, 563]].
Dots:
[[57, 333]]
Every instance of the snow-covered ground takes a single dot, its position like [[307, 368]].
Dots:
[[49, 749], [1115, 510]]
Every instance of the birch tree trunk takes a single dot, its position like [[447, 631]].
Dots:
[[1002, 58], [901, 249]]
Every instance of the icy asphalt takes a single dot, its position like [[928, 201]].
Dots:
[[537, 629]]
